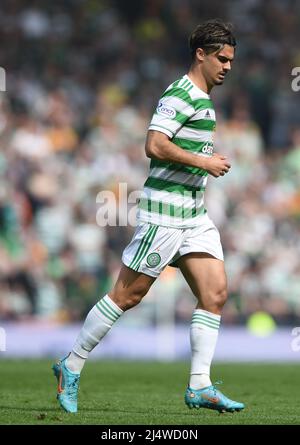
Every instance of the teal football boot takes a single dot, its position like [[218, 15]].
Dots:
[[67, 386], [211, 398]]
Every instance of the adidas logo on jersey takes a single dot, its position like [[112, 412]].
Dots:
[[207, 115]]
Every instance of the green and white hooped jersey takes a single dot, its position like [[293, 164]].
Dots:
[[173, 194]]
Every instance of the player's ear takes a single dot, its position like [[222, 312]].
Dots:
[[200, 54]]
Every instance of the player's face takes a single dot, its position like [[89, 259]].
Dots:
[[215, 66]]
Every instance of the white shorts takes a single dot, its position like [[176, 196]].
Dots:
[[153, 247]]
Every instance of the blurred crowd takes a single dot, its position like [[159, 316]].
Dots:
[[83, 78]]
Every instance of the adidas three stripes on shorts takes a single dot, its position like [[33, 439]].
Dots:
[[154, 247]]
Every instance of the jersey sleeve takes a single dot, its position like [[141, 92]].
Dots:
[[174, 109]]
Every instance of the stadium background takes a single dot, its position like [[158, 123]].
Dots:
[[83, 78]]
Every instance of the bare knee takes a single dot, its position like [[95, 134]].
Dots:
[[214, 300], [130, 288], [126, 299], [220, 298]]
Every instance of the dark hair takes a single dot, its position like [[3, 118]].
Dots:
[[211, 36]]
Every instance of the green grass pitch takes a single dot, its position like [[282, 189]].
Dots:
[[147, 393]]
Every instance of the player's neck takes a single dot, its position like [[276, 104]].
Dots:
[[198, 79]]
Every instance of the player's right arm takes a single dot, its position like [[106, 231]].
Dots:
[[159, 146]]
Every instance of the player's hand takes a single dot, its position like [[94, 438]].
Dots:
[[217, 165]]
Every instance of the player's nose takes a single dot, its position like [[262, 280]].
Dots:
[[227, 66]]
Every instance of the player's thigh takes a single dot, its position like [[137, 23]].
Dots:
[[130, 284], [205, 275]]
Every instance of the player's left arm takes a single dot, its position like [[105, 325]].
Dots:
[[159, 146]]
